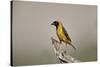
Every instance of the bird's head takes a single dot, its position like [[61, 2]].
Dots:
[[55, 23]]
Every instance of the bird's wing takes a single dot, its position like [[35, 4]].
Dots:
[[66, 34]]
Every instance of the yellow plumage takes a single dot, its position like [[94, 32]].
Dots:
[[60, 33]]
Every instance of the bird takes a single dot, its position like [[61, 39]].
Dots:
[[62, 33]]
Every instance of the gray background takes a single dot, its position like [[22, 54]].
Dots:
[[32, 31]]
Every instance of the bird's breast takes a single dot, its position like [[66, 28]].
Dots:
[[60, 33]]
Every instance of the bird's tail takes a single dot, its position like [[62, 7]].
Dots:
[[73, 46]]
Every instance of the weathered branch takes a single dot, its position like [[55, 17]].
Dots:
[[61, 54]]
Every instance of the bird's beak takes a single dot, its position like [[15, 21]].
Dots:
[[52, 23]]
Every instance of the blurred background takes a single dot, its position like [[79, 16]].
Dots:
[[32, 31]]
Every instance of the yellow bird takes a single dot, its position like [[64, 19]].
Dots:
[[62, 33]]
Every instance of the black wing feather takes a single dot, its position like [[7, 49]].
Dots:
[[66, 34]]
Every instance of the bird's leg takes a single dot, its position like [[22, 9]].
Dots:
[[65, 49], [60, 41]]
